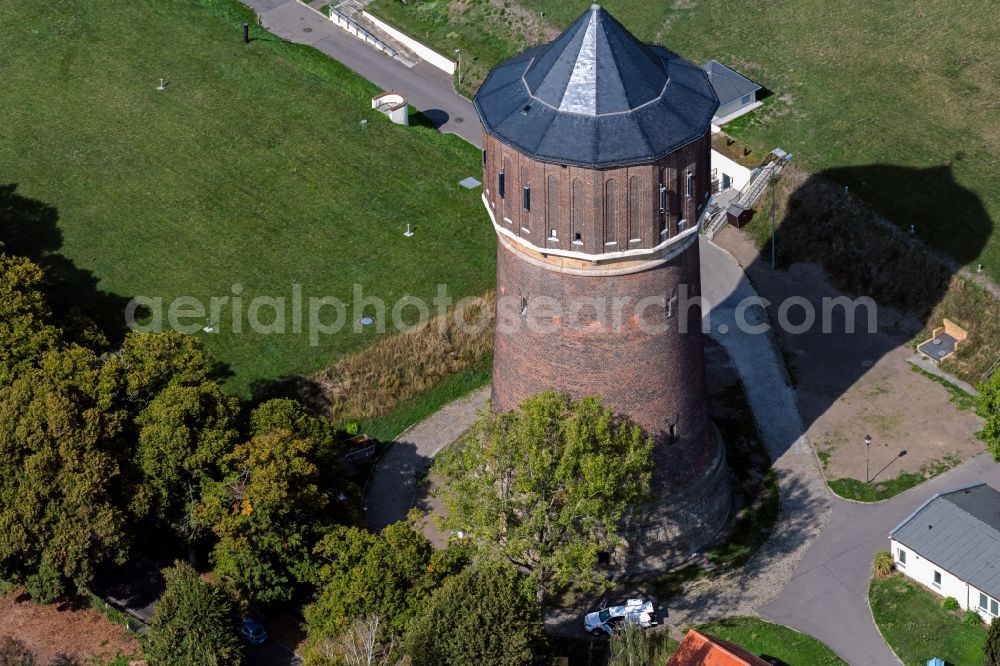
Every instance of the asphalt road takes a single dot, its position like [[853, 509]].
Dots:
[[425, 87]]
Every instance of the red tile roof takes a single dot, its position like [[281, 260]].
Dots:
[[698, 649]]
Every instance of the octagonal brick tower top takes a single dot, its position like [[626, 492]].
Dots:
[[596, 97]]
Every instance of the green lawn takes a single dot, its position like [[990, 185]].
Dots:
[[917, 628], [251, 168], [883, 489], [896, 100], [775, 641]]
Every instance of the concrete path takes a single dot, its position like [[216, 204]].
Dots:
[[805, 500], [393, 485], [425, 87]]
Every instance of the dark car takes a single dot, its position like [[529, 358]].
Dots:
[[252, 631]]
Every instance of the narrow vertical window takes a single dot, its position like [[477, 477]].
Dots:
[[525, 199], [634, 215], [552, 205], [576, 213], [501, 190], [610, 213], [690, 184], [663, 209], [484, 158]]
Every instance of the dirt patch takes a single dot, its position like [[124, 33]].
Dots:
[[849, 385], [49, 630]]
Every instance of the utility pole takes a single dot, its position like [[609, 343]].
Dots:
[[774, 240], [458, 54]]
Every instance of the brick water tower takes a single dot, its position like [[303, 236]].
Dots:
[[596, 179]]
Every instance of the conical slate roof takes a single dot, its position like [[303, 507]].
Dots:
[[596, 96]]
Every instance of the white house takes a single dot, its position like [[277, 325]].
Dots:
[[737, 94], [729, 174], [951, 544]]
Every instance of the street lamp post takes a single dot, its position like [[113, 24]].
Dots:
[[458, 55], [868, 447], [783, 159]]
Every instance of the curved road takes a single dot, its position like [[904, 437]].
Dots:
[[813, 573]]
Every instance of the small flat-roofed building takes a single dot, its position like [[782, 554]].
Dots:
[[951, 545], [698, 649], [737, 94]]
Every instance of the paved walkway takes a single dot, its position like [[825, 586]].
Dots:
[[425, 87], [805, 500], [394, 481]]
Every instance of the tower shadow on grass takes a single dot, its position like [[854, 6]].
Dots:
[[29, 228]]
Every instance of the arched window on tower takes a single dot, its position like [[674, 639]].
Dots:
[[576, 213], [610, 213], [525, 200], [552, 206], [634, 230]]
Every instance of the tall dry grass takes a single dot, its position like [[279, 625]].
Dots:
[[863, 254], [370, 383]]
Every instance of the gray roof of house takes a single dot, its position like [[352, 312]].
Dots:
[[597, 97], [728, 85], [959, 531]]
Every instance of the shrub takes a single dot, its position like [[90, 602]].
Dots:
[[883, 565], [972, 618], [950, 603], [45, 585]]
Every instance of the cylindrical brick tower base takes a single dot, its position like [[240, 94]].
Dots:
[[629, 332]]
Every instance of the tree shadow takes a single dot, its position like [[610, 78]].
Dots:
[[304, 389], [861, 254], [30, 228]]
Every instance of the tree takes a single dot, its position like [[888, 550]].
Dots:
[[991, 648], [61, 488], [25, 332], [184, 432], [363, 574], [475, 619], [988, 406], [545, 487], [269, 512], [194, 623], [365, 642]]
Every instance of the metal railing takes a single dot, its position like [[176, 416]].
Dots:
[[356, 29]]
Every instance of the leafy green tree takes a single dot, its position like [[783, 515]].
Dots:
[[988, 406], [544, 488], [25, 332], [149, 362], [991, 648], [477, 619], [387, 574], [194, 623], [269, 512], [61, 493], [184, 432]]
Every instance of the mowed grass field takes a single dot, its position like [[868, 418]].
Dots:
[[858, 88], [251, 168]]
